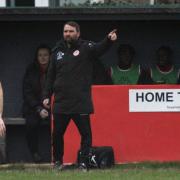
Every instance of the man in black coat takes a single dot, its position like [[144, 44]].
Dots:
[[33, 109], [70, 78]]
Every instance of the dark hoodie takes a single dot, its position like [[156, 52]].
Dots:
[[70, 75], [33, 82]]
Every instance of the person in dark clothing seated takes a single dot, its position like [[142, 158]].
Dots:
[[33, 110], [127, 71], [164, 71]]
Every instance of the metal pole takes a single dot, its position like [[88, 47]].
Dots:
[[12, 3]]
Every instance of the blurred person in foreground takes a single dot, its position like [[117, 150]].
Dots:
[[2, 125]]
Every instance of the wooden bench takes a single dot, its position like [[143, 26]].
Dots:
[[17, 121], [8, 121], [6, 142], [14, 121]]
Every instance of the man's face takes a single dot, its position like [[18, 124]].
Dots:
[[163, 58], [70, 33], [125, 57]]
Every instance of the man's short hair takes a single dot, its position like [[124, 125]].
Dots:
[[128, 47], [73, 24], [165, 48]]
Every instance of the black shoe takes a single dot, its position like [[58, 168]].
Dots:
[[37, 158], [58, 166], [82, 167]]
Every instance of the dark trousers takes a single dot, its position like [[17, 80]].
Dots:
[[32, 131], [33, 122], [61, 122]]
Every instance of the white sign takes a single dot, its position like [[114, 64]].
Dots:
[[2, 3], [151, 2], [41, 3], [97, 1], [154, 100]]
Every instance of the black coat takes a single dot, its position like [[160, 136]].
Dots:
[[32, 90], [70, 75]]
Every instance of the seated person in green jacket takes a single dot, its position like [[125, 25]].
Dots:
[[126, 71], [164, 72]]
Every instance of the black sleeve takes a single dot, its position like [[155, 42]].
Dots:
[[100, 48], [48, 90], [145, 77], [28, 93], [100, 74]]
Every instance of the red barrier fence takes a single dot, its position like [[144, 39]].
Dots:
[[135, 136]]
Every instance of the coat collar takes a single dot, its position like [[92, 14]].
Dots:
[[63, 45]]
